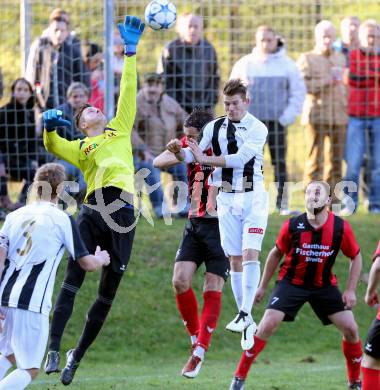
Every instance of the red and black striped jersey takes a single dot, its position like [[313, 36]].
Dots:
[[311, 253], [202, 195]]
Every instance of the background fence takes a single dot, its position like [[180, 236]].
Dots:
[[229, 24]]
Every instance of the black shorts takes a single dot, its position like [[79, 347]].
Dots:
[[111, 235], [372, 343], [201, 243], [288, 298]]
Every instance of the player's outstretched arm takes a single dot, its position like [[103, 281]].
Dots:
[[91, 263], [61, 147], [272, 262], [165, 160], [130, 32]]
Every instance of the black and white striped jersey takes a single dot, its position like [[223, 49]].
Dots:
[[35, 237], [242, 145]]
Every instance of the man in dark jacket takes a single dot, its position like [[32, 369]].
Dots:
[[54, 62], [189, 66]]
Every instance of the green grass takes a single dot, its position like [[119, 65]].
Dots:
[[144, 344]]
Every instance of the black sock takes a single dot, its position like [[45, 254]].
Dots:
[[62, 312], [94, 322]]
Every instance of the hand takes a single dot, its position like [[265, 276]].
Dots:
[[174, 146], [371, 299], [259, 294], [196, 150], [103, 256], [349, 299], [131, 32], [53, 118]]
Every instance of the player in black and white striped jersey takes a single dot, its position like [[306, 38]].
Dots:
[[32, 242], [237, 141]]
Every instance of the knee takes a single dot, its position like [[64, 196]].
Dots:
[[351, 333], [33, 372], [267, 327], [213, 283], [180, 284]]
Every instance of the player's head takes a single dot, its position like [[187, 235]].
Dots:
[[48, 181], [195, 122], [235, 99], [317, 197], [190, 28], [77, 95], [266, 40], [325, 34], [88, 118]]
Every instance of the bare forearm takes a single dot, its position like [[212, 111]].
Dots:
[[165, 160], [374, 277], [354, 275], [214, 161], [274, 258]]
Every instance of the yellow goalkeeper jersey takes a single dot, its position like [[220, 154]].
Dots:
[[105, 160]]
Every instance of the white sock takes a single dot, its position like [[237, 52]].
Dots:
[[199, 351], [251, 279], [5, 365], [194, 339], [16, 380], [237, 287]]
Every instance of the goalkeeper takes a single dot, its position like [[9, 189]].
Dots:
[[107, 216]]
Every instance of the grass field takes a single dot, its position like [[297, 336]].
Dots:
[[144, 344]]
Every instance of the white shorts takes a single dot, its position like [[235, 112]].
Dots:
[[243, 219], [25, 334]]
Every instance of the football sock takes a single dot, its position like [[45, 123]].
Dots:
[[5, 365], [248, 357], [16, 380], [94, 322], [353, 354], [193, 339], [188, 307], [251, 279], [209, 317], [62, 312], [237, 287], [371, 379]]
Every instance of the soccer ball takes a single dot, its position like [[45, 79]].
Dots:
[[160, 14]]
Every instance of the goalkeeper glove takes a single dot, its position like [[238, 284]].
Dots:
[[131, 32], [53, 118]]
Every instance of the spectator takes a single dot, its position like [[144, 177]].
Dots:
[[189, 65], [325, 109], [55, 61], [364, 113], [349, 27], [93, 57], [159, 119], [77, 96], [18, 139], [267, 71]]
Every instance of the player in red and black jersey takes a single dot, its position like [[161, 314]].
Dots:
[[200, 243], [371, 358], [310, 243]]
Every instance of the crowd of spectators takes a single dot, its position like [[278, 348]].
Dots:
[[335, 88]]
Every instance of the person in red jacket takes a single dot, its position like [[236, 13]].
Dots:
[[364, 114], [371, 358]]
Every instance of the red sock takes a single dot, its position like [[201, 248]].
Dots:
[[248, 357], [209, 317], [188, 307], [353, 354], [371, 379]]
